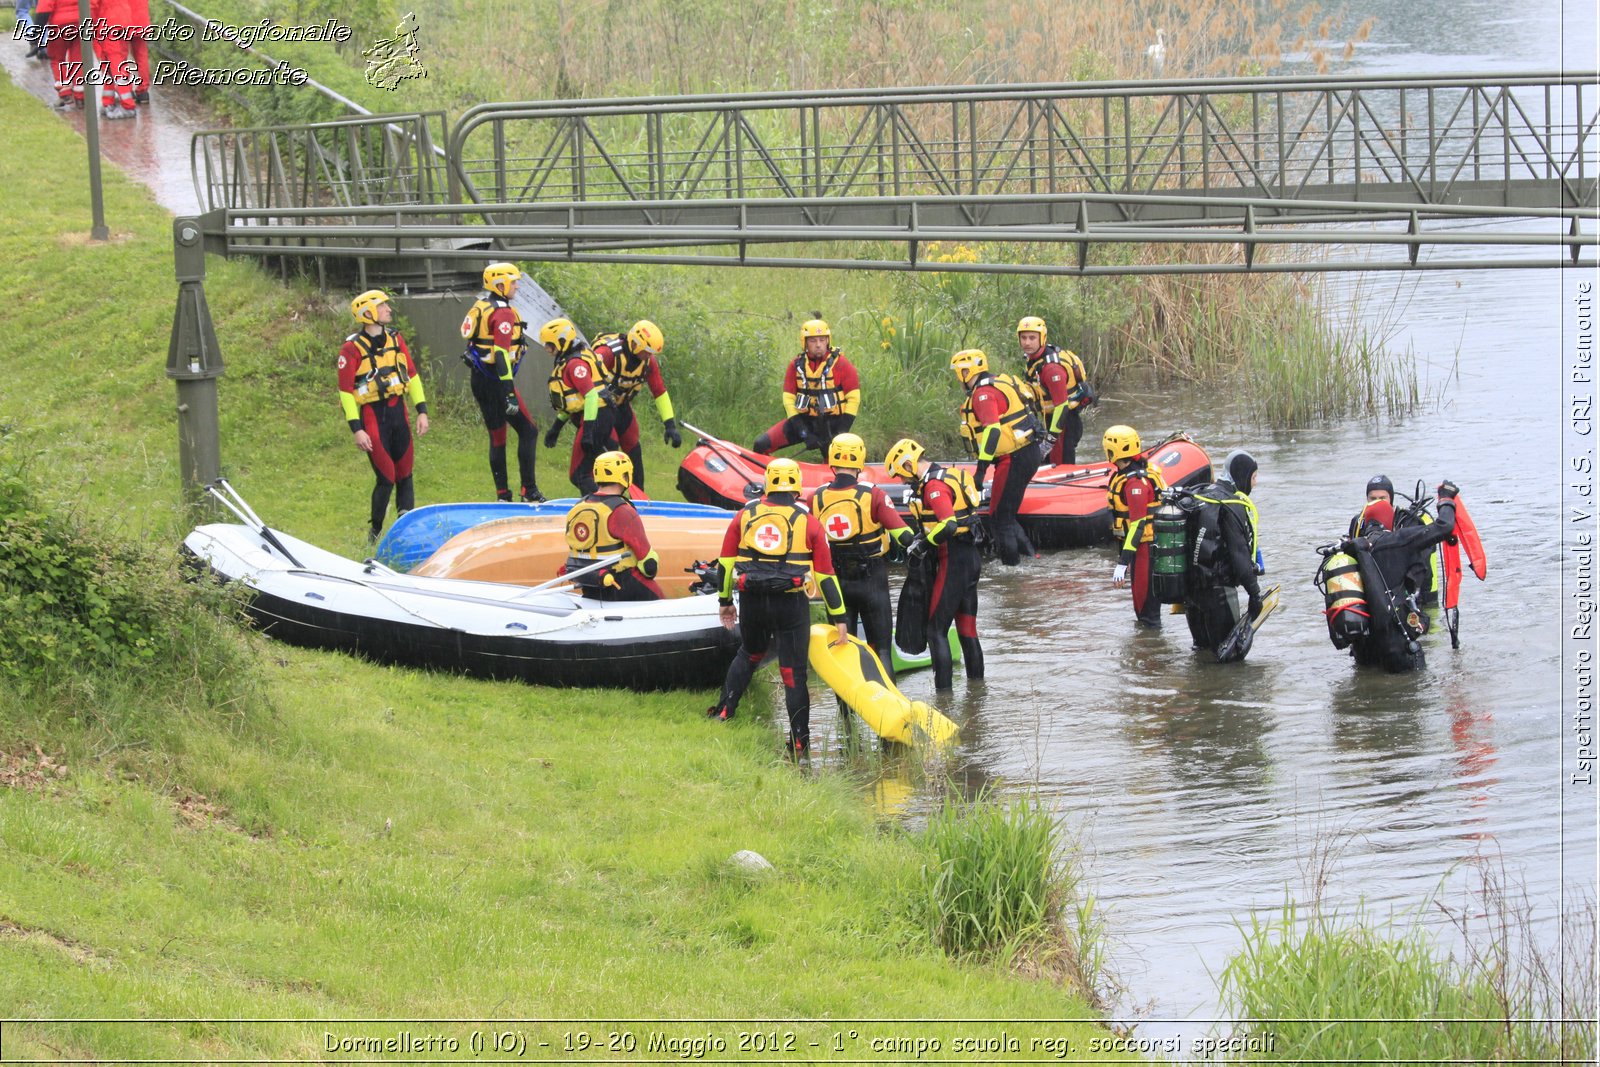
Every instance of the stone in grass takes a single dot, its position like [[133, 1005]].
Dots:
[[750, 863]]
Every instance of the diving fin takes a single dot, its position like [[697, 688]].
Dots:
[[1238, 643]]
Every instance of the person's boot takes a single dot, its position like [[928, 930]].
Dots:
[[532, 496], [503, 496]]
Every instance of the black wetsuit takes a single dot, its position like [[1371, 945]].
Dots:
[[1394, 569], [1210, 605]]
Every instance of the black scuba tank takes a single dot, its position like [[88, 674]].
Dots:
[[1169, 553], [1344, 598]]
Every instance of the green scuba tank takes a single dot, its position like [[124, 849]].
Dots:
[[1169, 553], [1344, 598]]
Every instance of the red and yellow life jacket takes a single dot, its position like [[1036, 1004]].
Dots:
[[1120, 523], [1018, 423], [626, 375], [563, 398], [1076, 375], [774, 551], [589, 536], [381, 373], [481, 342], [847, 521], [817, 392], [965, 497]]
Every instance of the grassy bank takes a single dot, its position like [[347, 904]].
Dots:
[[324, 838]]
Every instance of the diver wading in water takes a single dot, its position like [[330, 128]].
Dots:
[[1221, 547], [1372, 581]]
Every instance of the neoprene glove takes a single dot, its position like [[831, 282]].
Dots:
[[669, 430], [1254, 607], [1448, 490], [918, 548], [844, 422], [553, 434], [590, 437], [1119, 575], [513, 405]]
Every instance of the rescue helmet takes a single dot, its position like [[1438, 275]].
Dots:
[[1382, 483], [783, 476], [500, 277], [969, 363], [903, 457], [1036, 324], [645, 336], [814, 328], [613, 468], [558, 332], [848, 451], [1121, 442], [365, 306]]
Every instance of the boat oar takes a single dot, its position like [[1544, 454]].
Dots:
[[566, 579], [247, 516]]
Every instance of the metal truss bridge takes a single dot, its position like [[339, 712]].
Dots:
[[1203, 176]]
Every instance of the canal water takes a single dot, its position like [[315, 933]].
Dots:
[[1204, 795]]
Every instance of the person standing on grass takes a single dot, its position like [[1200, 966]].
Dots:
[[771, 546], [821, 394], [376, 378], [630, 363], [495, 344]]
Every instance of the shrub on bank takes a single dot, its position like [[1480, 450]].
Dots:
[[105, 629]]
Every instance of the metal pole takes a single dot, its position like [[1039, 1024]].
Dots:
[[91, 126], [194, 362]]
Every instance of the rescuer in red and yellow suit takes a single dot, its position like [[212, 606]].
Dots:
[[771, 546], [575, 372], [1000, 428], [1134, 491], [821, 395], [859, 522], [495, 343], [630, 363], [376, 377], [605, 523], [944, 505], [1062, 387]]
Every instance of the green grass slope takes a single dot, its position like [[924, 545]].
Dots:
[[379, 842]]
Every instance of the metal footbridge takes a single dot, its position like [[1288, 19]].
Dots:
[[1201, 176]]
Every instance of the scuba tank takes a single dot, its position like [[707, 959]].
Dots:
[[1169, 553], [1344, 598]]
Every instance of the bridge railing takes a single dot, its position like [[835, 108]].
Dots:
[[1424, 140], [355, 162]]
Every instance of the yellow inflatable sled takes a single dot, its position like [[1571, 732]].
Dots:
[[854, 671]]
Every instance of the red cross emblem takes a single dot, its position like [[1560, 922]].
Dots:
[[839, 528], [580, 530], [767, 537]]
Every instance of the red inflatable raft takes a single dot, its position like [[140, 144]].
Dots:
[[1065, 506]]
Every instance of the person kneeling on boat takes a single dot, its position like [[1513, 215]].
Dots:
[[605, 523], [859, 521], [1132, 492], [944, 505], [376, 378], [1393, 568], [821, 395], [771, 546], [1223, 555]]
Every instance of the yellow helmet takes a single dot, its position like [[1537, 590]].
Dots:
[[783, 476], [847, 451], [500, 277], [903, 457], [814, 328], [365, 306], [969, 363], [613, 468], [559, 332], [1120, 442], [1036, 324], [645, 336]]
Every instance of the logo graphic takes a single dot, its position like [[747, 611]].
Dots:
[[580, 530], [839, 528], [393, 60], [767, 537]]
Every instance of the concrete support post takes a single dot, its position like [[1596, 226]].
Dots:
[[194, 362]]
